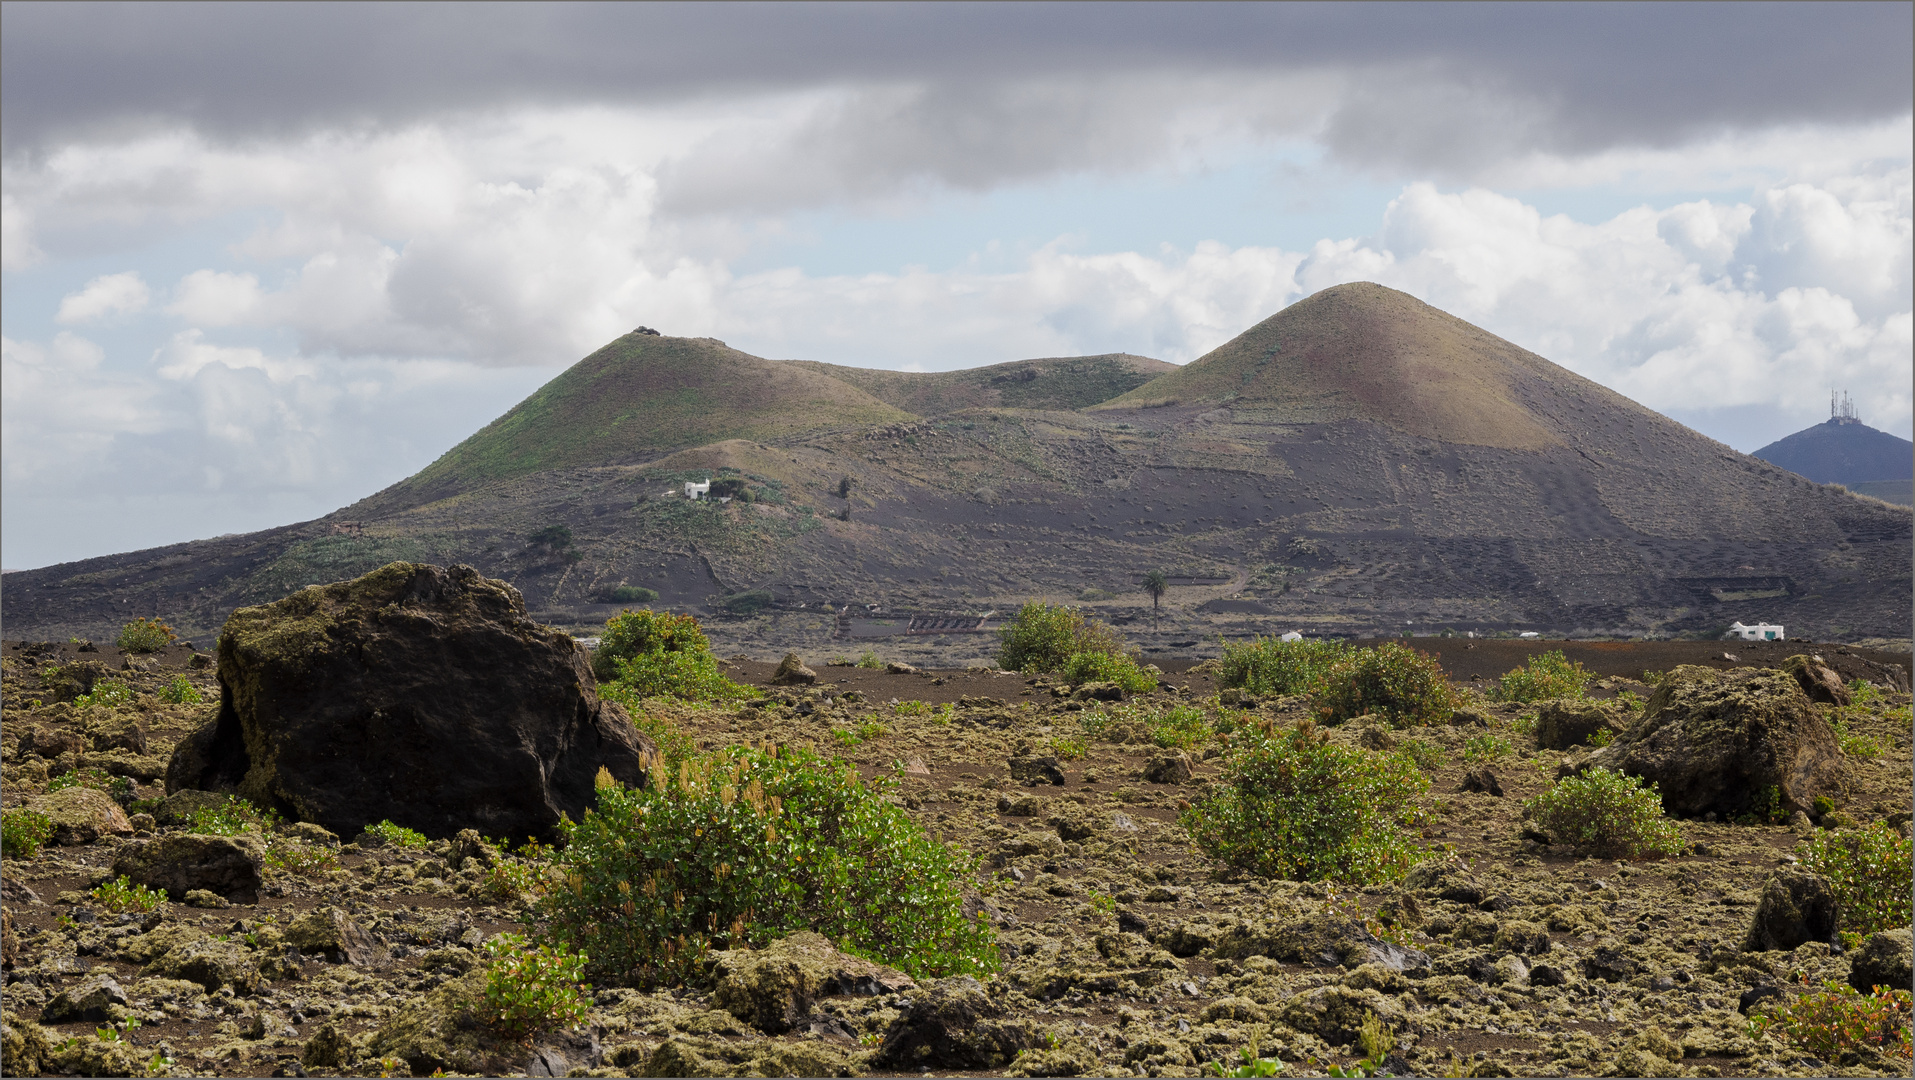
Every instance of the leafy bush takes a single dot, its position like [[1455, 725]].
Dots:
[[749, 602], [1479, 748], [912, 708], [1085, 667], [1390, 680], [299, 858], [1069, 747], [1428, 756], [1044, 637], [1295, 805], [397, 835], [1853, 744], [870, 660], [122, 895], [656, 654], [24, 832], [106, 694], [180, 691], [1180, 727], [531, 989], [1271, 666], [1863, 692], [1837, 1019], [1870, 871], [145, 636], [1606, 813], [1545, 676], [746, 845], [859, 732], [630, 594], [230, 818]]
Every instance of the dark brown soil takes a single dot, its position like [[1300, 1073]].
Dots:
[[1680, 919]]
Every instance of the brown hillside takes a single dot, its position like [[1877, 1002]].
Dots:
[[1052, 382]]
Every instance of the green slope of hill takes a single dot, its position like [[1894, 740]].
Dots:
[[1053, 382]]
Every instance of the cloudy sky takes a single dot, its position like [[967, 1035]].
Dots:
[[260, 261]]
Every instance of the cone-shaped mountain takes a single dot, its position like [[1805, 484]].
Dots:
[[1359, 462]]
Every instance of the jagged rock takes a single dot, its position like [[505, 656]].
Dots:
[[311, 833], [1609, 963], [899, 667], [1318, 939], [225, 865], [1335, 1014], [205, 898], [209, 962], [1885, 959], [69, 681], [1037, 770], [417, 694], [155, 943], [683, 1055], [1445, 881], [331, 933], [9, 944], [1168, 769], [18, 892], [793, 672], [1563, 723], [1520, 936], [1713, 742], [1797, 907], [1481, 780], [82, 815], [25, 1049], [327, 1049], [96, 999], [1075, 823], [774, 988], [1817, 680], [953, 1024], [1098, 691], [447, 1030]]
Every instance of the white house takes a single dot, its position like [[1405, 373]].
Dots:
[[1758, 632], [1292, 636], [697, 491]]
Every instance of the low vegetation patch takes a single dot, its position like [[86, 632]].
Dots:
[[1391, 680], [1837, 1019], [180, 691], [657, 654], [121, 894], [743, 846], [24, 832], [1543, 677], [1269, 666], [397, 836], [1607, 814], [533, 988], [1044, 638], [145, 636], [1088, 667], [1872, 871], [1296, 805]]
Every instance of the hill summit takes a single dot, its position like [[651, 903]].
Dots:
[[1843, 450]]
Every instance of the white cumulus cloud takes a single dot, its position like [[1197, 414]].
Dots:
[[109, 294]]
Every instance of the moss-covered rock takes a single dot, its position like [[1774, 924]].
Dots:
[[775, 987], [228, 866], [331, 933], [1885, 959], [1716, 742], [82, 815], [417, 694], [954, 1024], [447, 1030], [25, 1049], [1797, 907], [1561, 724], [209, 962]]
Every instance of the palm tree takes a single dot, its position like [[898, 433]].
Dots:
[[1156, 584]]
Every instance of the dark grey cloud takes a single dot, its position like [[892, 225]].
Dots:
[[1598, 74]]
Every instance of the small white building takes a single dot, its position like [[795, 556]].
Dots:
[[697, 491], [1758, 632], [1293, 635]]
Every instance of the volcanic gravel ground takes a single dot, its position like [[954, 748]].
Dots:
[[1651, 973]]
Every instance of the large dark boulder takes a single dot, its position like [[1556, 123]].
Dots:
[[181, 863], [417, 694], [1817, 679], [1566, 722], [1797, 907], [1885, 959], [953, 1024], [1717, 741]]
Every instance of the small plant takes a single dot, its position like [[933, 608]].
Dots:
[[1870, 871], [912, 708], [1085, 667], [1101, 900], [1069, 747], [122, 895], [230, 818], [145, 636], [1390, 680], [118, 788], [1837, 1019], [1863, 692], [1601, 737], [1044, 637], [870, 660], [24, 832], [299, 858], [106, 694], [1765, 808], [180, 691], [1252, 1066], [1629, 701], [944, 715], [529, 989], [397, 835], [1481, 748], [1428, 756], [1606, 813], [1295, 805], [1852, 744], [1180, 727], [631, 594], [1544, 676]]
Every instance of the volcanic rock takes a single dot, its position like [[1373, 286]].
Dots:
[[774, 988], [82, 815], [184, 862], [415, 694], [1716, 741], [953, 1024], [331, 933], [97, 998], [1168, 769], [793, 672], [1037, 770], [1818, 681], [1797, 907], [1885, 959], [1565, 723]]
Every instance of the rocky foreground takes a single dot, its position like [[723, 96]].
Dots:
[[295, 951]]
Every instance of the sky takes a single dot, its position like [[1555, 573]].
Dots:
[[260, 261]]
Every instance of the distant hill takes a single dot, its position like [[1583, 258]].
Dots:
[[1845, 451], [1360, 463]]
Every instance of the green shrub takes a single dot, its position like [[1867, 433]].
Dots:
[[397, 835], [1607, 814], [1180, 727], [870, 660], [531, 989], [1389, 680], [1069, 747], [1545, 676], [749, 602], [230, 818], [862, 731], [24, 832], [1295, 805], [1086, 667], [1428, 756], [1480, 748], [106, 694], [746, 845], [1870, 871], [302, 859], [674, 743], [122, 895], [180, 691], [654, 654], [145, 636], [1853, 744], [1837, 1019], [631, 594], [1270, 666], [1044, 637], [1863, 692]]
